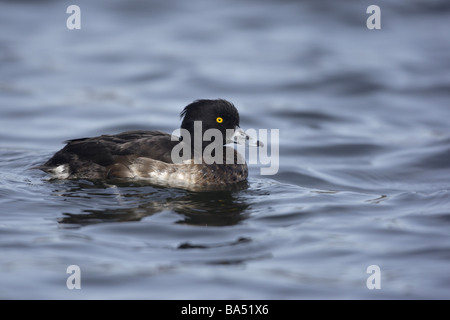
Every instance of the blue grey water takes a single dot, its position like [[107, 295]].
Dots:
[[364, 175]]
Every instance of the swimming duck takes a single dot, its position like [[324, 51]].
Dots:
[[162, 158]]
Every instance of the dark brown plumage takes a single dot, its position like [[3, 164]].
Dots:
[[147, 154]]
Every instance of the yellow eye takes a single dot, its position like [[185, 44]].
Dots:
[[219, 120]]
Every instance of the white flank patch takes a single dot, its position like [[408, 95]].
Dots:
[[61, 172]]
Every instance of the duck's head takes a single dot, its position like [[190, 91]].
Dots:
[[215, 114]]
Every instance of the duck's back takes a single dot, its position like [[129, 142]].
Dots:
[[109, 156]]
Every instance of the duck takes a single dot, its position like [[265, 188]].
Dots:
[[197, 159]]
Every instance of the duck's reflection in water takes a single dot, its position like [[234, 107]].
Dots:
[[212, 208]]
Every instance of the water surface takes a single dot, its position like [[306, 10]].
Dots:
[[364, 149]]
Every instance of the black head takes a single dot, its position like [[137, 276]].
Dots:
[[213, 114]]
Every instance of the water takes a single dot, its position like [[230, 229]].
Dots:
[[364, 149]]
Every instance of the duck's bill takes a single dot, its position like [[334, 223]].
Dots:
[[240, 137]]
